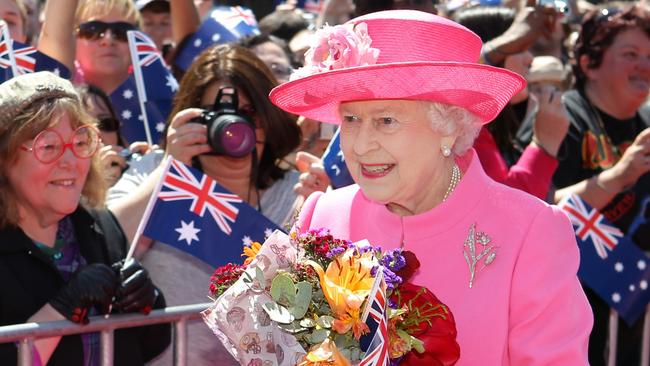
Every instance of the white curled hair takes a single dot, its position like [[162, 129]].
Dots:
[[449, 119]]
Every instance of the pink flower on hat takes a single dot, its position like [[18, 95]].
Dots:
[[338, 47]]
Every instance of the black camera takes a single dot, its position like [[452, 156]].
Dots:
[[229, 132]]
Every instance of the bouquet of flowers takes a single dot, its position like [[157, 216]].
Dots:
[[312, 299]]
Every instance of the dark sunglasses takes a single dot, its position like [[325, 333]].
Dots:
[[108, 124], [96, 29]]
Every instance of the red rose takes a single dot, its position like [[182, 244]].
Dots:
[[440, 346], [412, 265]]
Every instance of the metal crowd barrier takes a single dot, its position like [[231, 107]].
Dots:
[[26, 333]]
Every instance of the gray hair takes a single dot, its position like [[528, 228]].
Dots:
[[449, 120]]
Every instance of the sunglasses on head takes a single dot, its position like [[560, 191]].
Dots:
[[96, 30]]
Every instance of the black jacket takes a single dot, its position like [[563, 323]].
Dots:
[[30, 279]]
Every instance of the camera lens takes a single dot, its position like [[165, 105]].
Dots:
[[232, 136]]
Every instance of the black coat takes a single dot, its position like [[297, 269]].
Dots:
[[29, 279]]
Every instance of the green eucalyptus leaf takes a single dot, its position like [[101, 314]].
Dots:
[[283, 290], [302, 300], [355, 354], [278, 313], [307, 323], [318, 336], [325, 321], [293, 327]]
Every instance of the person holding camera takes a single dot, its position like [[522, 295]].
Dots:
[[61, 253], [223, 93]]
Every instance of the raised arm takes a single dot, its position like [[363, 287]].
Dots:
[[57, 38], [600, 189], [185, 19]]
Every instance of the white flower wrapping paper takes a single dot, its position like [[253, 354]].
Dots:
[[239, 321]]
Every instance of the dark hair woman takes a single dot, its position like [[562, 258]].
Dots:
[[255, 176]]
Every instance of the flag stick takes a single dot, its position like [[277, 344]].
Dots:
[[139, 84], [645, 343], [148, 209], [10, 47], [613, 337]]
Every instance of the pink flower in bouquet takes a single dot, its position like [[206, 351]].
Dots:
[[338, 47]]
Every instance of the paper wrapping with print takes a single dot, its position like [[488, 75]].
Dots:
[[246, 330]]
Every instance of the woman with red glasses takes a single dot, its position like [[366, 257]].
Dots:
[[61, 254]]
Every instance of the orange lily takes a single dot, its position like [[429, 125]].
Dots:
[[346, 284]]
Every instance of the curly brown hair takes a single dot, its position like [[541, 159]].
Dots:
[[239, 66], [598, 32], [34, 119]]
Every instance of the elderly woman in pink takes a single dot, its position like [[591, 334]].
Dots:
[[409, 108]]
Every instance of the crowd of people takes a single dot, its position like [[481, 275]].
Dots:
[[454, 117]]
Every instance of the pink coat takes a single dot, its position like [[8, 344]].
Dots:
[[525, 308]]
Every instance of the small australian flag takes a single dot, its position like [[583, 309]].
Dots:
[[610, 263], [225, 24], [192, 212], [334, 163]]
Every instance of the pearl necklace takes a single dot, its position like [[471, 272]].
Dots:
[[455, 178]]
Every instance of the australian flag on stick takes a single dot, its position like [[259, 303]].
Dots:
[[192, 212], [334, 163], [144, 100], [375, 342], [17, 58], [225, 24], [610, 263]]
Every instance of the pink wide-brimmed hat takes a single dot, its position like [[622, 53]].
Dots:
[[396, 54]]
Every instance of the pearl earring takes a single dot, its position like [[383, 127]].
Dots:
[[446, 151]]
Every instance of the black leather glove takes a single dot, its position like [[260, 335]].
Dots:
[[95, 284], [136, 291]]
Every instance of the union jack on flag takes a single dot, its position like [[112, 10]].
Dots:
[[176, 216], [589, 224], [225, 24], [233, 16], [145, 49], [18, 59], [376, 317], [25, 60], [180, 184], [5, 46]]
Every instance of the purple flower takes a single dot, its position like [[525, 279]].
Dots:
[[373, 271], [394, 260], [392, 280], [336, 251]]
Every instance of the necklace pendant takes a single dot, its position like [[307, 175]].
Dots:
[[479, 252]]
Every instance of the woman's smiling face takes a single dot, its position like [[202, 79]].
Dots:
[[391, 150]]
